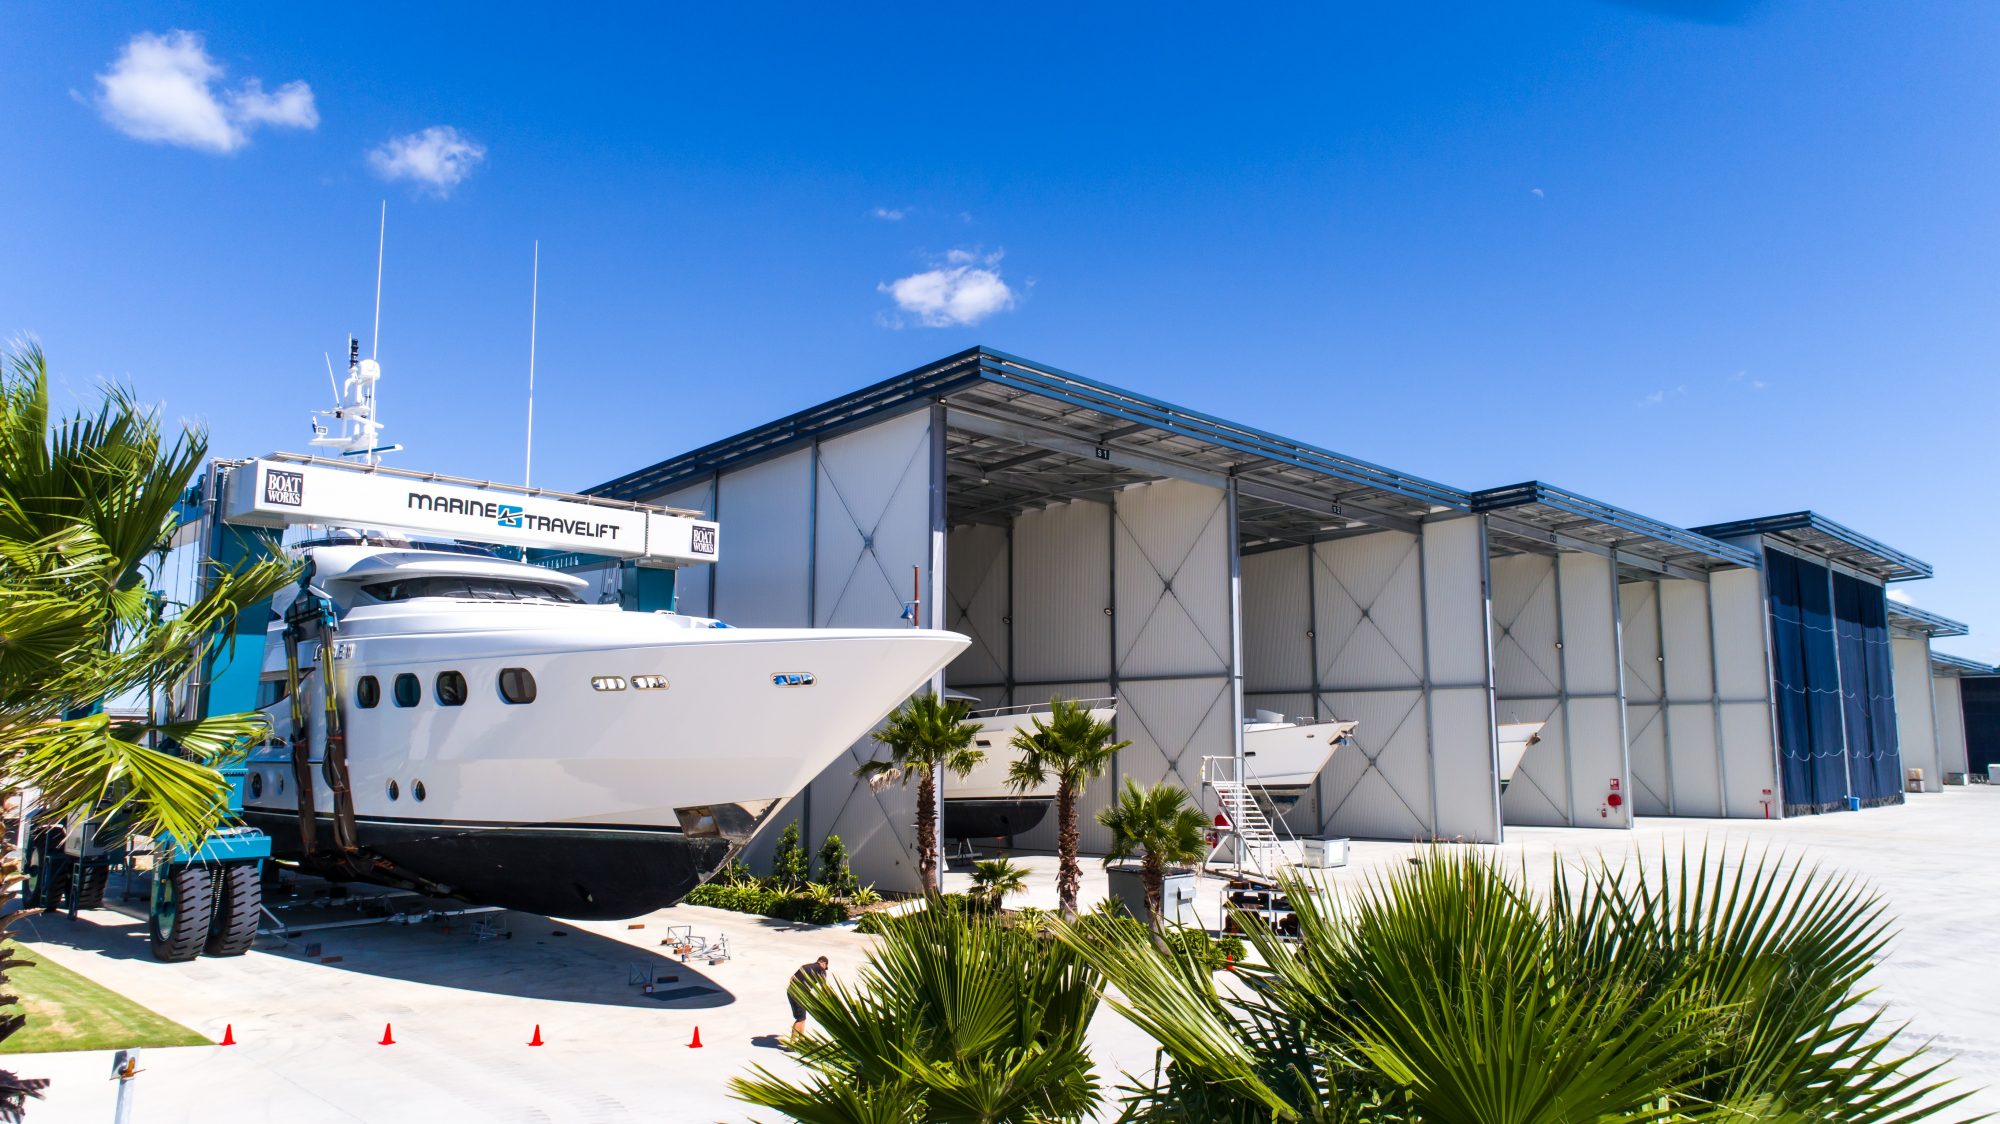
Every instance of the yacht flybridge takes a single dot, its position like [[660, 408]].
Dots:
[[464, 723]]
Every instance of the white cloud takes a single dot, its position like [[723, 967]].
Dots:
[[1654, 398], [1537, 193], [436, 159], [163, 88], [965, 289], [1758, 384], [889, 214], [1899, 597]]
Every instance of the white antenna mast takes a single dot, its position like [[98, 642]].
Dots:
[[381, 242], [534, 307]]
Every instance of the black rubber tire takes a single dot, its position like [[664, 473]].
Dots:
[[183, 903], [35, 872], [90, 884], [239, 894]]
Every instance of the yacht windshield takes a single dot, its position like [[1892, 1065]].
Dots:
[[470, 589]]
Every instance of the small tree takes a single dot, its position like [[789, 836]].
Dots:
[[925, 734], [1075, 749], [790, 867], [994, 879], [1160, 826], [833, 868]]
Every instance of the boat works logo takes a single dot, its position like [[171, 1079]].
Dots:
[[702, 541], [792, 679], [287, 488], [512, 516]]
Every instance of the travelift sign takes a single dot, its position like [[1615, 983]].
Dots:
[[276, 493]]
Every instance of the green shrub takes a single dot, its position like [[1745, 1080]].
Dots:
[[791, 867], [813, 905], [833, 868]]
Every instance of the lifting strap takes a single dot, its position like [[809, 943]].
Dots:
[[302, 780], [311, 616]]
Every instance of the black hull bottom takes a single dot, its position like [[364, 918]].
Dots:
[[992, 819], [573, 871]]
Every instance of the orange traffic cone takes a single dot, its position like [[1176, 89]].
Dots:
[[228, 1035], [696, 1044], [537, 1039], [388, 1038]]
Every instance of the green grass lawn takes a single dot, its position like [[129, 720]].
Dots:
[[68, 1012]]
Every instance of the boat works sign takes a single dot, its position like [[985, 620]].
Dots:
[[274, 493]]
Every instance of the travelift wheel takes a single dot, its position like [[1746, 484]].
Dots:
[[91, 880], [183, 903], [239, 894], [35, 872]]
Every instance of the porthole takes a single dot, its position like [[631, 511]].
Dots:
[[408, 691], [607, 682], [649, 682], [517, 685], [417, 790], [368, 692], [450, 688], [394, 792], [256, 786]]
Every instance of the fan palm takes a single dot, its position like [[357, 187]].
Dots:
[[84, 500], [1162, 827], [957, 1019], [1451, 994], [924, 735], [994, 879], [1075, 749]]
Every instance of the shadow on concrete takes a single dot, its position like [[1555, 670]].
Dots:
[[768, 1042], [501, 953]]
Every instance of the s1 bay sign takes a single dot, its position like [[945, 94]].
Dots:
[[274, 493]]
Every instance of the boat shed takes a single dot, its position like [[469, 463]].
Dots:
[[1919, 725], [1641, 645], [1831, 658], [1959, 710]]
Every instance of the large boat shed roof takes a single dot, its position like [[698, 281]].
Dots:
[[1909, 618], [1540, 516], [1944, 663], [1813, 532]]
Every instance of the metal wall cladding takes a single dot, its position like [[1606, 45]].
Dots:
[[1062, 589], [1645, 670], [1467, 781], [1173, 725], [1646, 736], [1697, 787], [873, 525], [1538, 796], [1742, 661], [878, 825], [1526, 661], [1749, 757], [1379, 787], [1952, 754], [1590, 624], [1916, 732], [1370, 612], [1598, 762], [691, 583], [1455, 585], [1684, 640], [761, 574], [976, 561], [1172, 560], [1277, 614]]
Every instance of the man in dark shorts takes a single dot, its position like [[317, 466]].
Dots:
[[807, 974]]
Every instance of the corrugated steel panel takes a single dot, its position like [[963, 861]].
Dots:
[[1062, 589], [1597, 759], [976, 602], [1742, 667], [1952, 754], [1590, 639], [1370, 616], [1537, 796], [1638, 607], [1455, 587], [873, 523], [761, 575], [1750, 758], [1916, 734], [1172, 562], [1684, 641], [1697, 775], [691, 582], [1525, 657], [1379, 787], [1646, 732], [1468, 802], [1172, 725], [1277, 614]]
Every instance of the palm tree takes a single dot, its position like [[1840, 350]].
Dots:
[[1075, 749], [1452, 993], [956, 1018], [1162, 827], [84, 500], [923, 735], [994, 879]]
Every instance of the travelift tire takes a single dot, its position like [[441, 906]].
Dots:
[[183, 904], [91, 881], [239, 894]]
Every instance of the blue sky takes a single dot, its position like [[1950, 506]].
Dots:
[[1702, 259]]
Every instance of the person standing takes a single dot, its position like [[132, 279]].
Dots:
[[807, 975]]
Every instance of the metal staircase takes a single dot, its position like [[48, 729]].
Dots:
[[1248, 831]]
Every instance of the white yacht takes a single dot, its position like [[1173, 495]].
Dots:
[[1514, 739], [1283, 756], [511, 745], [982, 805]]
